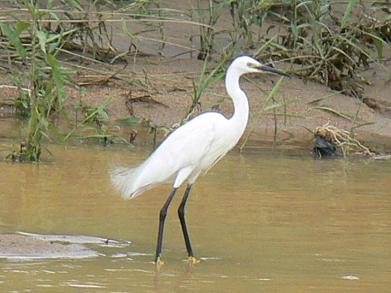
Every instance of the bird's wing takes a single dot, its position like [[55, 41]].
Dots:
[[190, 148], [190, 143]]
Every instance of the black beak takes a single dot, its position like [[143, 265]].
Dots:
[[272, 70]]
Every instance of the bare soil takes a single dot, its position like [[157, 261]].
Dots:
[[165, 88], [168, 99]]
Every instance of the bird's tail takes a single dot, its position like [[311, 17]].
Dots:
[[127, 181]]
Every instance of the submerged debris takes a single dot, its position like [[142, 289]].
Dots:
[[18, 156], [331, 141], [323, 148]]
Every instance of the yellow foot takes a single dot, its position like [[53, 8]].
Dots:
[[159, 263], [192, 260]]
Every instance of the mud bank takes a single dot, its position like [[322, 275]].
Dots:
[[28, 246], [302, 105]]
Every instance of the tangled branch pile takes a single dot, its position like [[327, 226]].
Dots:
[[343, 140]]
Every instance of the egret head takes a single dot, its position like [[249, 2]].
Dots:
[[246, 64]]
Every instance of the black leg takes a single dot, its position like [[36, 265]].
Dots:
[[181, 214], [162, 217]]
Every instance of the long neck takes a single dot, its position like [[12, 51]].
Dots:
[[240, 117]]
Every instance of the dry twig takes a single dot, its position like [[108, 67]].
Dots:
[[343, 140]]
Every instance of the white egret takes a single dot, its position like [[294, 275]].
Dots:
[[191, 150]]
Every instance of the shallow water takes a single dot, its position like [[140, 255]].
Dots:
[[259, 221]]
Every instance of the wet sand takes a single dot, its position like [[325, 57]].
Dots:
[[24, 247]]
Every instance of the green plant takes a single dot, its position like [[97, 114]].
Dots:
[[273, 105], [322, 47], [96, 117], [32, 41], [207, 31], [22, 101], [45, 75], [243, 18], [206, 78]]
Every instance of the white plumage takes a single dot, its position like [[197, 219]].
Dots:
[[188, 151], [192, 148]]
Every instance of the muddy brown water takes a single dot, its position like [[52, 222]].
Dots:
[[260, 222]]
